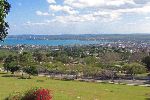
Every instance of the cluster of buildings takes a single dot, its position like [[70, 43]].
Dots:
[[131, 45]]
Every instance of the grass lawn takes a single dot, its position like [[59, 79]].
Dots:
[[73, 90]]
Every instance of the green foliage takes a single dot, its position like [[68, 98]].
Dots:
[[107, 74], [14, 96], [5, 53], [26, 59], [146, 61], [109, 57], [56, 67], [32, 94], [11, 64], [134, 68], [39, 56], [4, 9], [62, 58], [91, 71], [90, 60], [61, 62], [31, 70]]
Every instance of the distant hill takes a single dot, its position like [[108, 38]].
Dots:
[[112, 37]]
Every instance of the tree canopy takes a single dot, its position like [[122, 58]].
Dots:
[[134, 68], [146, 61], [11, 64], [4, 10]]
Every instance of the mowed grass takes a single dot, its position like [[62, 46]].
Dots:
[[74, 90]]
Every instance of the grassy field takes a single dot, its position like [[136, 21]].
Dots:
[[73, 90]]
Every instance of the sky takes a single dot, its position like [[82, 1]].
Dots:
[[79, 17]]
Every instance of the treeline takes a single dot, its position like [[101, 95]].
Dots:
[[86, 62]]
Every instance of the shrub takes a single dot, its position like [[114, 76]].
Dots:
[[43, 94], [14, 96], [32, 94], [38, 94]]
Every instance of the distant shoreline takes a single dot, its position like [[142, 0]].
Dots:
[[17, 41]]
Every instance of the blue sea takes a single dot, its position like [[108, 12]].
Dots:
[[13, 41]]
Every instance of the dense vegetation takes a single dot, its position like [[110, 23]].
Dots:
[[81, 62]]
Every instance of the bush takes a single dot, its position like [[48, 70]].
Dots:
[[32, 94], [38, 94], [14, 96]]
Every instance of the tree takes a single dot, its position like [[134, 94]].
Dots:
[[63, 58], [7, 61], [109, 57], [134, 68], [4, 10], [25, 60], [39, 57], [137, 56], [31, 70], [11, 64], [146, 61], [107, 74], [56, 68], [89, 71], [110, 71], [90, 60], [76, 70]]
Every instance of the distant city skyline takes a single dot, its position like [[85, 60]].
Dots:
[[53, 17]]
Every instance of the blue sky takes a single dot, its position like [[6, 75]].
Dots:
[[79, 16]]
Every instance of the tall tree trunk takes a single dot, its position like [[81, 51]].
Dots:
[[112, 77], [133, 77], [22, 75]]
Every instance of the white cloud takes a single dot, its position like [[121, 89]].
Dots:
[[132, 23], [29, 23], [107, 15], [97, 3], [147, 18], [119, 2], [51, 1], [73, 18], [92, 17], [84, 3], [42, 13], [140, 10], [66, 9], [94, 10]]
